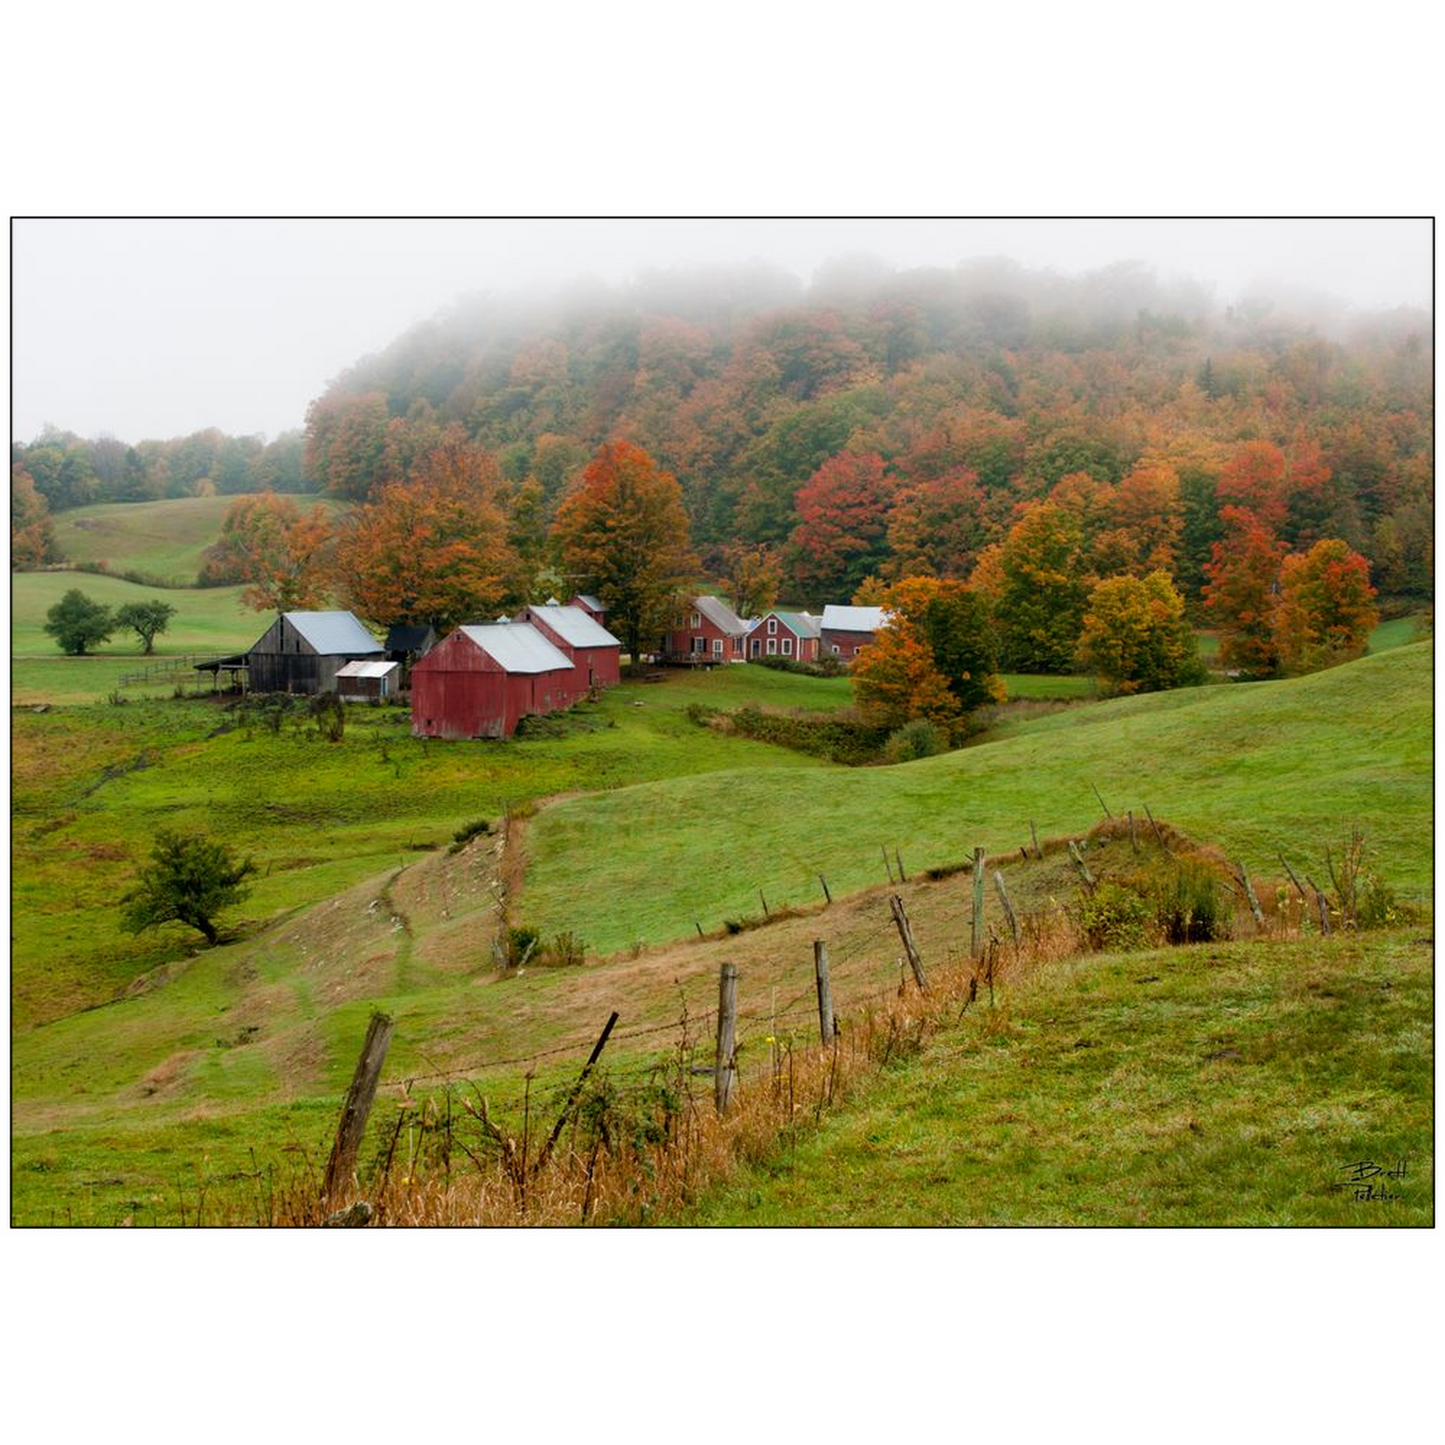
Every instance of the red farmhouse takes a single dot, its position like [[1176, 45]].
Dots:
[[594, 652], [848, 630], [482, 681], [709, 632], [785, 634]]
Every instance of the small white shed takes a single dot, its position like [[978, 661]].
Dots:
[[367, 681]]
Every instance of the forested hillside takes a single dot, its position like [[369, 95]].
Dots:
[[941, 400]]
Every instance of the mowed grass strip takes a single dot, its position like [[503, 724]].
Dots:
[[1255, 767], [1229, 1084]]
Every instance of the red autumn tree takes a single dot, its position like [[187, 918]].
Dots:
[[1240, 593], [278, 550], [842, 528], [623, 535], [1326, 611], [433, 549], [937, 526], [1254, 479]]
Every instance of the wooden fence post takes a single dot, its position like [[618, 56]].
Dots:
[[357, 1108], [1102, 803], [1079, 863], [725, 1070], [1254, 907], [1158, 832], [766, 914], [898, 858], [980, 872], [827, 897], [909, 947], [1324, 906], [1038, 852], [573, 1096], [825, 990], [1133, 836], [1008, 908], [886, 863], [1303, 895]]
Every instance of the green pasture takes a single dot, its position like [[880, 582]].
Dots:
[[1256, 767], [165, 539], [1228, 1084]]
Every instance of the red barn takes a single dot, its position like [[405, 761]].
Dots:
[[591, 605], [848, 630], [785, 634], [482, 681], [596, 655], [709, 632]]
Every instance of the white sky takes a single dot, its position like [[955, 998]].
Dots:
[[158, 328]]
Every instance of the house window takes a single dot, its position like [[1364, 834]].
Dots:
[[757, 646], [772, 624], [837, 651], [696, 621], [717, 647], [787, 647], [699, 644], [772, 646]]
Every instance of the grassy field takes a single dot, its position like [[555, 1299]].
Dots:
[[1257, 767], [164, 539], [1227, 1084]]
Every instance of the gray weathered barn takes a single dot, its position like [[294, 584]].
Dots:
[[303, 651]]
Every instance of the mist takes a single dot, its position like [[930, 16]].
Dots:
[[152, 329]]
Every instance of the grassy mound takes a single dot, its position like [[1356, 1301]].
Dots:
[[1256, 767], [1233, 1084]]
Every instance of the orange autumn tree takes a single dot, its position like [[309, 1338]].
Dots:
[[32, 534], [935, 658], [622, 534], [278, 550], [937, 527], [1144, 517], [433, 549], [1325, 612]]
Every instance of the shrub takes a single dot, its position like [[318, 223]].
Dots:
[[917, 739], [1114, 917], [1190, 907], [467, 832], [564, 950], [521, 944], [330, 714]]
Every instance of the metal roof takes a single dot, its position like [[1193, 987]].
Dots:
[[333, 632], [575, 627], [720, 615], [367, 669], [803, 624], [853, 619], [402, 637], [518, 647], [588, 600]]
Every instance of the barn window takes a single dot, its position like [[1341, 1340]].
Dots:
[[772, 624], [837, 651], [787, 647]]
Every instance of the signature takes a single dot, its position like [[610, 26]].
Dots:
[[1368, 1181]]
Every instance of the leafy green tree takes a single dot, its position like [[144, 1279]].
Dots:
[[189, 880], [146, 619], [959, 627], [77, 622], [1136, 637]]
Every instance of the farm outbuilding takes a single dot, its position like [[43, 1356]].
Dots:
[[368, 681], [303, 651], [848, 630], [408, 644], [483, 680], [592, 606], [596, 655]]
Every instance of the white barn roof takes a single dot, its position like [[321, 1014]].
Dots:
[[853, 619], [518, 647], [367, 669], [333, 632], [720, 615], [575, 627]]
